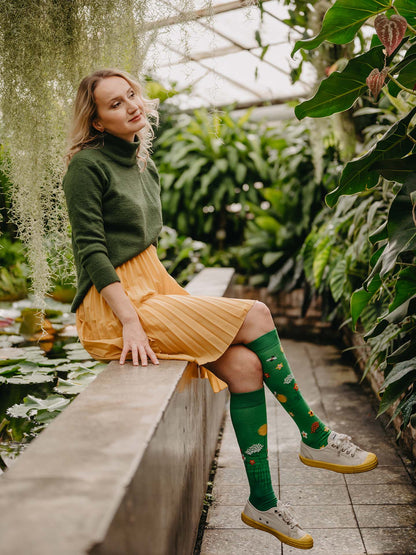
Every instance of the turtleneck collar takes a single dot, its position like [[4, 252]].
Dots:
[[120, 150]]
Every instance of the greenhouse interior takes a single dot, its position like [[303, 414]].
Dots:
[[207, 221]]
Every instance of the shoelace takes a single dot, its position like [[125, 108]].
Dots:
[[284, 510], [343, 444]]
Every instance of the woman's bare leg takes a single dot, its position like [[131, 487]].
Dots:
[[258, 321], [239, 368]]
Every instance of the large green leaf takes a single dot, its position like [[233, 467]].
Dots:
[[401, 229], [340, 90], [358, 175], [342, 21], [406, 8], [396, 316], [396, 169], [407, 78], [399, 371], [405, 287], [396, 389], [338, 278], [361, 298]]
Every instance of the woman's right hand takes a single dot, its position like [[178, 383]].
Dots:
[[135, 341], [134, 337]]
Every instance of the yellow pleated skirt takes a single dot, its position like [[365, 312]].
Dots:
[[179, 326]]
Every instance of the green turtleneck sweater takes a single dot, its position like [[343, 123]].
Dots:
[[114, 210]]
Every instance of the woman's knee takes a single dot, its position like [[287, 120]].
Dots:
[[240, 368], [261, 311]]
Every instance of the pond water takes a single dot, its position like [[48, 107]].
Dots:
[[43, 367]]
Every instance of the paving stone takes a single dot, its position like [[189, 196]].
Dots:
[[382, 499], [225, 516], [309, 475], [236, 542], [315, 495], [237, 476], [328, 516], [382, 541], [335, 541], [380, 475], [385, 516], [382, 494]]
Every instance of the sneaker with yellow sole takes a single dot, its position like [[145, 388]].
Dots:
[[340, 455], [279, 521]]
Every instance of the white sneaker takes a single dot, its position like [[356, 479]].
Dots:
[[280, 522], [340, 455]]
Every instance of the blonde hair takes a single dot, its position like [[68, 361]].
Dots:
[[84, 135]]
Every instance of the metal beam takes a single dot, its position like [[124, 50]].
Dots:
[[196, 14]]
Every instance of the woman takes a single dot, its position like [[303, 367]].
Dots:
[[127, 306]]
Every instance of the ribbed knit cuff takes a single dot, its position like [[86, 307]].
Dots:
[[246, 400]]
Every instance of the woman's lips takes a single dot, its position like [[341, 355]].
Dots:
[[136, 118]]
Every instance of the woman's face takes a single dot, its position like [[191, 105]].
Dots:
[[120, 110]]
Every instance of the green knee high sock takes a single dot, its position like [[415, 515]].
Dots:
[[248, 415], [281, 382]]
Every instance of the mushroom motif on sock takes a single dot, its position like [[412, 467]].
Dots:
[[273, 357], [311, 413], [296, 387], [304, 434], [281, 398], [314, 427]]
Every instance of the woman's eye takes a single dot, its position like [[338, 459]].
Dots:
[[132, 94], [116, 105]]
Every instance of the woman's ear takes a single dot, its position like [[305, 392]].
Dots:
[[98, 125]]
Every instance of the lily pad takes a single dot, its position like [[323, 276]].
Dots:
[[32, 405]]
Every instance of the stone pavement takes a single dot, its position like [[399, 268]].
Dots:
[[372, 512]]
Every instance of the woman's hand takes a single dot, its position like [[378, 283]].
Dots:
[[134, 337], [136, 341]]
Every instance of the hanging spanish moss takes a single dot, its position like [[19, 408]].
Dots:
[[46, 47]]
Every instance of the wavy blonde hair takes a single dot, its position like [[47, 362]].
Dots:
[[84, 135]]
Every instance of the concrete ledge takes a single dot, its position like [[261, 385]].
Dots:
[[123, 469]]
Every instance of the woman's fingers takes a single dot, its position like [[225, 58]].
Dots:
[[152, 355], [143, 355], [143, 351]]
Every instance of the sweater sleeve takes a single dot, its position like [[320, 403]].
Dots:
[[83, 186]]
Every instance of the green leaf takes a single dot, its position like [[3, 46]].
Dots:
[[31, 405], [270, 258], [406, 8], [358, 176], [268, 223], [399, 371], [342, 21], [396, 169], [340, 90], [407, 78], [398, 315], [361, 298], [319, 264], [338, 279], [405, 287], [401, 229], [394, 391]]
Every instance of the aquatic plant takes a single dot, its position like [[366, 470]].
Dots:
[[46, 48]]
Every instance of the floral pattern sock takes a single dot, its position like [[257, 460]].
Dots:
[[282, 383], [248, 415]]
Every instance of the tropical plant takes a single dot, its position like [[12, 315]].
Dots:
[[180, 255], [386, 68], [211, 167], [284, 218]]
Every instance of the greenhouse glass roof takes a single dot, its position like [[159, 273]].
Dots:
[[216, 52]]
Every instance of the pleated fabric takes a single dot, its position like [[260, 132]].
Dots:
[[179, 326]]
